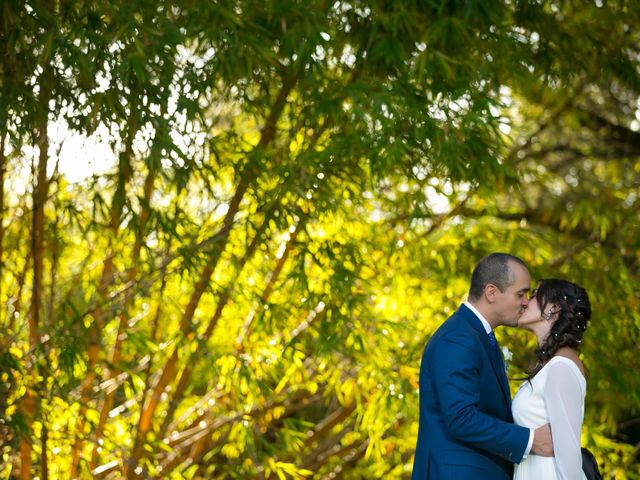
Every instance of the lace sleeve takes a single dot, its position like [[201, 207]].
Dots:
[[564, 400]]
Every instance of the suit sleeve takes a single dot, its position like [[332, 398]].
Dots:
[[456, 381]]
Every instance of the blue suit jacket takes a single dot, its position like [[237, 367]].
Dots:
[[466, 430]]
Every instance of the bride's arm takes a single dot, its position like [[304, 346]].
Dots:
[[564, 401]]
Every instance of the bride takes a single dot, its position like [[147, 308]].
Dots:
[[558, 314]]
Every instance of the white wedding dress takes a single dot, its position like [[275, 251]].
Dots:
[[556, 396]]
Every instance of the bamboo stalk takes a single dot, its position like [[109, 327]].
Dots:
[[106, 279], [168, 372], [273, 277], [3, 171], [223, 298], [185, 325], [123, 316], [197, 441], [40, 194]]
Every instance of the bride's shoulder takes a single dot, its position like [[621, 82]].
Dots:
[[572, 355]]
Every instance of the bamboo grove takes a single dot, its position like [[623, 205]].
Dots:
[[297, 194]]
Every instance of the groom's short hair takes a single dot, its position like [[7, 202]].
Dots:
[[493, 269]]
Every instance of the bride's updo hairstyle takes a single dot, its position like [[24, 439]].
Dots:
[[571, 304]]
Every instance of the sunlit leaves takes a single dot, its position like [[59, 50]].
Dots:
[[302, 189]]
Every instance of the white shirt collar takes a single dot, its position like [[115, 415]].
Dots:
[[485, 324]]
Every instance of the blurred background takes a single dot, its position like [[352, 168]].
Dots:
[[228, 228]]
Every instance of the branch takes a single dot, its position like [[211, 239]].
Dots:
[[545, 123]]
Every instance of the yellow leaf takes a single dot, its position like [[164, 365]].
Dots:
[[16, 352], [312, 387]]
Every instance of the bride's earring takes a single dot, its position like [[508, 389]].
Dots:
[[549, 314]]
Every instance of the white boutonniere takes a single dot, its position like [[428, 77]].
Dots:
[[506, 356]]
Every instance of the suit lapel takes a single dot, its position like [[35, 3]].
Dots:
[[498, 367], [496, 363]]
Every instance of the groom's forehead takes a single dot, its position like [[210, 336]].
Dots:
[[520, 287]]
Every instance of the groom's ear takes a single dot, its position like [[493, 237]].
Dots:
[[490, 292]]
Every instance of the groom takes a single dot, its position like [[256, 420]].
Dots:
[[466, 430]]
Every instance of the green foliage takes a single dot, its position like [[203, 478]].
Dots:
[[298, 195]]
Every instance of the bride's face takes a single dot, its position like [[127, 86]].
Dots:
[[534, 316], [531, 315]]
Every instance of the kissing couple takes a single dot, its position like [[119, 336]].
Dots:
[[469, 428]]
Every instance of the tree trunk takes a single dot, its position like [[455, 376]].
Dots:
[[185, 324], [154, 335], [44, 459], [132, 274], [198, 446], [3, 170], [264, 298], [168, 372], [106, 279], [223, 299], [21, 280], [40, 193]]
